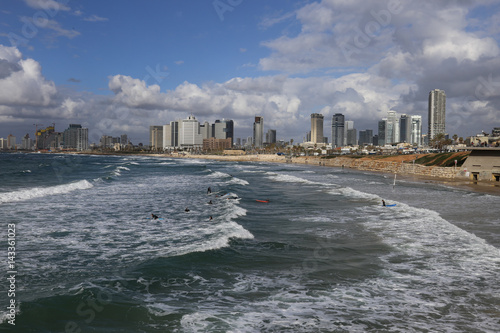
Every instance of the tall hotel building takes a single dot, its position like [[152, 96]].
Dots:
[[317, 128], [338, 123], [258, 132], [437, 112]]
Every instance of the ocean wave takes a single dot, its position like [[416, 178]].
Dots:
[[288, 178], [38, 192], [238, 181]]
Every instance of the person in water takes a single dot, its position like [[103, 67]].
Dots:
[[209, 190], [154, 217], [383, 202], [210, 218], [186, 210], [210, 202]]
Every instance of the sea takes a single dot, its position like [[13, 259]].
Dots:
[[322, 255]]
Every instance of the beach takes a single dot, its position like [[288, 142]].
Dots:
[[299, 248]]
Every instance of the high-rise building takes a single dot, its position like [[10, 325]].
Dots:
[[392, 128], [70, 136], [317, 128], [416, 130], [27, 142], [82, 139], [404, 128], [338, 133], [258, 132], [223, 129], [271, 136], [156, 137], [124, 140], [382, 130], [348, 124], [351, 137], [11, 141], [437, 113], [366, 137], [189, 133]]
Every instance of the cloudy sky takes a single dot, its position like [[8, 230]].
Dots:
[[120, 66]]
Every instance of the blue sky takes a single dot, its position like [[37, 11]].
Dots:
[[119, 66]]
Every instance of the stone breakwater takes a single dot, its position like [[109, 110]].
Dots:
[[388, 165]]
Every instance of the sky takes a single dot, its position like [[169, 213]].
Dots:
[[118, 67]]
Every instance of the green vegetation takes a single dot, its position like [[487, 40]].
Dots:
[[442, 159]]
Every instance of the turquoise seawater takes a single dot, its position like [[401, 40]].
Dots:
[[322, 256]]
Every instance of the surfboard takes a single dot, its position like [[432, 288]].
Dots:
[[390, 205], [266, 201]]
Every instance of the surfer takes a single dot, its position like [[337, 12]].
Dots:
[[209, 190], [383, 202], [210, 218], [154, 217], [210, 202], [186, 210]]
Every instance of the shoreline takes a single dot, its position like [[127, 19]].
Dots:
[[398, 164], [481, 187]]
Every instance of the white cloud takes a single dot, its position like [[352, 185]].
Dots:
[[95, 18], [50, 6], [24, 84]]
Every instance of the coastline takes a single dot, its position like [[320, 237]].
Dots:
[[399, 164], [436, 175]]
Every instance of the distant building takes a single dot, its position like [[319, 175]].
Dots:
[[271, 136], [82, 139], [27, 142], [437, 113], [416, 130], [217, 144], [223, 129], [316, 128], [366, 137], [156, 137], [348, 124], [382, 125], [351, 137], [258, 132], [338, 126], [392, 128], [11, 142], [189, 133]]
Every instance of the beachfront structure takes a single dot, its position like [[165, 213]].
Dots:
[[437, 113], [338, 126], [156, 137], [258, 132], [317, 128], [481, 165]]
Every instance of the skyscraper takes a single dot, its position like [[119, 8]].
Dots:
[[416, 130], [338, 123], [82, 139], [317, 128], [271, 136], [258, 131], [156, 137], [392, 128], [404, 128], [437, 113]]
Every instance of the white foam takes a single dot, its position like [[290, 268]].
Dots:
[[38, 192], [287, 178]]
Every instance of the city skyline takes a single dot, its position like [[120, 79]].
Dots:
[[283, 61]]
